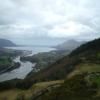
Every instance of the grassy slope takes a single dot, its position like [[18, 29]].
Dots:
[[85, 68], [13, 93], [75, 88]]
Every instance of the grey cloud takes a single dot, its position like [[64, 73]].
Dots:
[[42, 17]]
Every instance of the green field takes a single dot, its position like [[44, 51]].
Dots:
[[89, 67], [5, 60], [95, 78], [85, 68]]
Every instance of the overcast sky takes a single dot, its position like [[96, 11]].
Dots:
[[28, 19]]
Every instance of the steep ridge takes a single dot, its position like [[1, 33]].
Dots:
[[92, 46]]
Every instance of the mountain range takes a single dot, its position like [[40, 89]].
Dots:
[[5, 43], [70, 45]]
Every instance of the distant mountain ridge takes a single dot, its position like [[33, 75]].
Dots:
[[5, 43], [70, 45]]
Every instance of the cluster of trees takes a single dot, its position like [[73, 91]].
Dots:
[[16, 83]]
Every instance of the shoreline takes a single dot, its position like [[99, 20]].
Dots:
[[10, 68]]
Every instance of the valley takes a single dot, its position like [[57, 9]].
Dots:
[[49, 50], [55, 73], [25, 67]]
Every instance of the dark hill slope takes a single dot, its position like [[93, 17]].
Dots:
[[59, 70], [56, 71], [92, 46], [89, 52], [4, 43]]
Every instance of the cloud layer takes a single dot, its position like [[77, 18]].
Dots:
[[50, 18]]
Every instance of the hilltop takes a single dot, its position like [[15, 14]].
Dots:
[[5, 43], [70, 45]]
